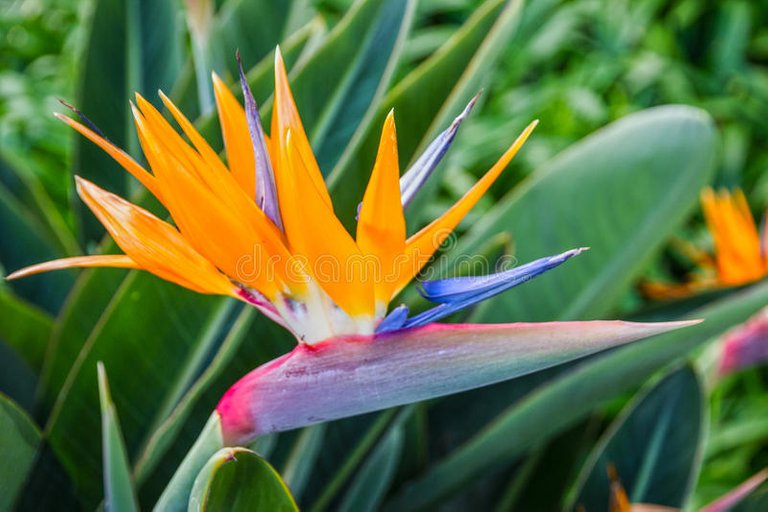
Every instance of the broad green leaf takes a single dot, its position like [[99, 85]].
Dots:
[[570, 396], [254, 27], [154, 335], [19, 440], [301, 461], [85, 305], [132, 46], [261, 76], [177, 494], [367, 490], [237, 479], [347, 446], [427, 99], [653, 446], [25, 241], [338, 89], [164, 432], [542, 480], [25, 328], [119, 494], [18, 176], [251, 341], [620, 191]]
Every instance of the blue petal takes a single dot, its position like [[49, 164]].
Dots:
[[394, 320], [266, 191], [413, 179], [457, 293]]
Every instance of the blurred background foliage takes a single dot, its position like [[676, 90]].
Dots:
[[577, 65]]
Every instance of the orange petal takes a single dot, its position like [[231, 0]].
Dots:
[[737, 241], [153, 244], [214, 213], [120, 156], [670, 291], [104, 260], [381, 224], [285, 117], [237, 140], [314, 233], [421, 246]]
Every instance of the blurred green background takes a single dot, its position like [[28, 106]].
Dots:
[[577, 66]]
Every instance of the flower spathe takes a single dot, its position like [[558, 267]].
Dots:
[[262, 229], [739, 255]]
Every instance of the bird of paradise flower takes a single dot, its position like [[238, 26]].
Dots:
[[739, 255], [262, 229]]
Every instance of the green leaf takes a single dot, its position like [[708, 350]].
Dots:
[[19, 440], [347, 446], [375, 476], [119, 495], [338, 89], [133, 46], [254, 27], [25, 328], [654, 446], [261, 77], [20, 178], [85, 305], [176, 495], [427, 99], [153, 334], [237, 479], [301, 461], [25, 241], [621, 191], [568, 397]]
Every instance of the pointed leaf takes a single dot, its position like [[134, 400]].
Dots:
[[19, 440], [119, 494], [298, 468], [427, 99], [340, 86], [167, 324], [24, 328], [375, 476], [654, 446], [133, 46], [25, 240], [665, 153]]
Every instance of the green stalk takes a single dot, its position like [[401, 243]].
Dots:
[[175, 497]]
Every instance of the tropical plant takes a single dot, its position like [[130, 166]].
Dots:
[[544, 440]]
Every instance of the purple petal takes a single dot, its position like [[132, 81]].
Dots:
[[457, 293], [266, 191], [413, 179], [354, 375]]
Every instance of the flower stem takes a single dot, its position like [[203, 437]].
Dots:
[[175, 497]]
